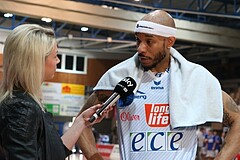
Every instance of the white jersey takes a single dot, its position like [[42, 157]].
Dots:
[[144, 126]]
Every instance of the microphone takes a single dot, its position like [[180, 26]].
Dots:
[[123, 89]]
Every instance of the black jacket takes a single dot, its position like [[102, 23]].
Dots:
[[26, 132]]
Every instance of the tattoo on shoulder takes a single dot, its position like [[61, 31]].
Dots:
[[95, 98], [226, 118], [101, 97], [231, 106]]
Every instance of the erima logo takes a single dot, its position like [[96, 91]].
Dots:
[[147, 27], [140, 95], [157, 83]]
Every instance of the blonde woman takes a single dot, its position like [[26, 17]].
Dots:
[[27, 130]]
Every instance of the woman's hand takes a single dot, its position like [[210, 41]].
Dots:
[[90, 111]]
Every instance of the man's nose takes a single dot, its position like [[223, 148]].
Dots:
[[141, 48]]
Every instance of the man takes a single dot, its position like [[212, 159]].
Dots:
[[201, 143], [211, 145], [217, 140], [172, 97]]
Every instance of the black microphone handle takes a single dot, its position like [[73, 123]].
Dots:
[[110, 101]]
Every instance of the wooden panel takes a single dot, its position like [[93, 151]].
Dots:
[[96, 68], [1, 59], [217, 126]]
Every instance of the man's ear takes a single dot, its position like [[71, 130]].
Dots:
[[171, 41]]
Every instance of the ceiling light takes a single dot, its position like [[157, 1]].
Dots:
[[104, 6], [70, 36], [48, 20], [7, 15], [109, 39], [108, 7], [84, 29]]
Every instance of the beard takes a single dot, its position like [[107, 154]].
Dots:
[[158, 58], [155, 61]]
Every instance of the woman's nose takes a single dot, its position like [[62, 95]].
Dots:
[[58, 60]]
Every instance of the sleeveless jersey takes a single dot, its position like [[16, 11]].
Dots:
[[144, 126]]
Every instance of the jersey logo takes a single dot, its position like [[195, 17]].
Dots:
[[156, 141], [140, 95], [157, 115], [157, 85]]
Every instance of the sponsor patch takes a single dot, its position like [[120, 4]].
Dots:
[[157, 115], [156, 141]]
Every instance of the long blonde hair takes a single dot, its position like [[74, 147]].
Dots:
[[24, 54]]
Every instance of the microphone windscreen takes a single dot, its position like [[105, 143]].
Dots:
[[125, 87], [125, 101]]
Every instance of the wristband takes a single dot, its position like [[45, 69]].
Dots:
[[96, 156]]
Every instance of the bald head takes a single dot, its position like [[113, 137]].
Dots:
[[160, 17]]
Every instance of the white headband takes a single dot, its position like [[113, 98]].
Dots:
[[155, 29]]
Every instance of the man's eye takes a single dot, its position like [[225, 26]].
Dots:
[[149, 41]]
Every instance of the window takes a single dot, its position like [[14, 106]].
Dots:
[[72, 64], [69, 62], [80, 64]]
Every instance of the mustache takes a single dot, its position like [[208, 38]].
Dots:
[[142, 56]]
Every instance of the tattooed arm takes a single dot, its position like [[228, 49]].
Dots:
[[86, 140], [231, 118]]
